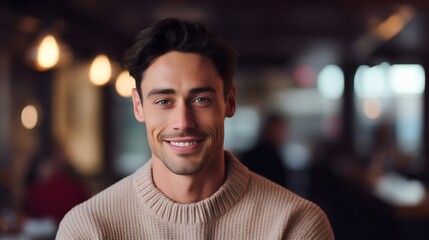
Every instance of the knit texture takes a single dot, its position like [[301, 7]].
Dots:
[[247, 206]]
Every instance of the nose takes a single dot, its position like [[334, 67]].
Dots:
[[184, 117]]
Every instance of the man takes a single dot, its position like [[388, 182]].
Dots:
[[191, 188], [265, 157]]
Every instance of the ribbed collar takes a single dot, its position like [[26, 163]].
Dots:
[[229, 193]]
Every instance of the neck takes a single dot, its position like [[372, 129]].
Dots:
[[189, 188]]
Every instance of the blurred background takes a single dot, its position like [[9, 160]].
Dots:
[[346, 80]]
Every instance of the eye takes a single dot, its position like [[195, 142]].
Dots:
[[201, 100], [163, 102]]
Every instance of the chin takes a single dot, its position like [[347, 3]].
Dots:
[[186, 171], [184, 165]]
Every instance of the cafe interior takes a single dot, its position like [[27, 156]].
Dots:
[[349, 77]]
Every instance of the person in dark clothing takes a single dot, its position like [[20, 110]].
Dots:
[[52, 186], [265, 158]]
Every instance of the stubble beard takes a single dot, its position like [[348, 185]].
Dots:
[[185, 164], [180, 166]]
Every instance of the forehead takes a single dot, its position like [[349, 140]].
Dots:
[[178, 68]]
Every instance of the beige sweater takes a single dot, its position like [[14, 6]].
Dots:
[[247, 206]]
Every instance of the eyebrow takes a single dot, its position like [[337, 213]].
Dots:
[[202, 89], [197, 90], [157, 91]]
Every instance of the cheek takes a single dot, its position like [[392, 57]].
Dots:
[[154, 125], [213, 123]]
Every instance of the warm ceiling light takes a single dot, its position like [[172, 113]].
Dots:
[[395, 23], [48, 53], [29, 117], [124, 84], [100, 71]]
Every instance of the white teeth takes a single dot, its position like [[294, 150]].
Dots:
[[183, 144]]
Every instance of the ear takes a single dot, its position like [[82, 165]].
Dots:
[[137, 106], [230, 103]]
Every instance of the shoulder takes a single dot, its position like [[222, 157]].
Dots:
[[301, 218], [266, 191], [87, 220]]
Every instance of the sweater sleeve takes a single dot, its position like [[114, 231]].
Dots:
[[78, 224], [309, 222]]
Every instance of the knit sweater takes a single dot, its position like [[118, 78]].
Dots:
[[247, 206]]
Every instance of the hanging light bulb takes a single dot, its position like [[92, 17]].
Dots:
[[100, 71], [29, 117], [48, 53], [124, 84]]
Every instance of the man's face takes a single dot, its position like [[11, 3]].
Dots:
[[184, 110]]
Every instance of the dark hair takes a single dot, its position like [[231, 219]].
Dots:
[[175, 35]]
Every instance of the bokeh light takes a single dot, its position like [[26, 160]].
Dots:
[[124, 84], [407, 78], [330, 82], [372, 108], [100, 71], [29, 117], [48, 53]]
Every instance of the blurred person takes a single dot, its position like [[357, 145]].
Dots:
[[53, 188], [386, 155], [265, 158], [191, 188]]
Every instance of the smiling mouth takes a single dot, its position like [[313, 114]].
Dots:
[[183, 144]]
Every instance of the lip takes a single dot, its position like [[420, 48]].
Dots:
[[184, 145]]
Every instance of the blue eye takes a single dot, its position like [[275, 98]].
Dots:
[[163, 102]]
